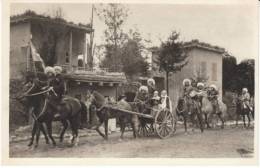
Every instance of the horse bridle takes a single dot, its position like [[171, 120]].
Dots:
[[36, 94]]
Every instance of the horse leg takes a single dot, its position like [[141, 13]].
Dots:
[[34, 127], [98, 128], [222, 120], [200, 122], [237, 119], [65, 126], [106, 129], [44, 133], [244, 120], [38, 133], [248, 117], [49, 130], [122, 125], [206, 120], [185, 123]]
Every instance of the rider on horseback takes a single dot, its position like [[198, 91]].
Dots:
[[187, 90], [213, 97], [200, 90], [245, 97], [56, 81]]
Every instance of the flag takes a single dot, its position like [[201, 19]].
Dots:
[[36, 56]]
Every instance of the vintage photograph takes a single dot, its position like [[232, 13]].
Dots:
[[126, 80]]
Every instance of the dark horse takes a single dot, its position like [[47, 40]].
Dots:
[[44, 111], [104, 113], [182, 110], [242, 110]]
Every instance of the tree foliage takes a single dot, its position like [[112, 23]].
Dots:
[[246, 75], [229, 73], [237, 76], [172, 57], [114, 16]]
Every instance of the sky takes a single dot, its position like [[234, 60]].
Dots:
[[232, 27]]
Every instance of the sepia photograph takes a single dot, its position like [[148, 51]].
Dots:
[[132, 80]]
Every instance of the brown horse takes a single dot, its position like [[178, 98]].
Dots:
[[208, 110], [193, 112], [243, 111], [104, 112], [44, 111]]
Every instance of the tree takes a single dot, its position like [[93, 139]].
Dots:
[[172, 57], [132, 60], [245, 75], [229, 73], [114, 16]]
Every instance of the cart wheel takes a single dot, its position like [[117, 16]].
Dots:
[[145, 129], [164, 123]]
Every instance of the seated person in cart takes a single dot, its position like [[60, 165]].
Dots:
[[142, 98], [165, 102], [155, 101]]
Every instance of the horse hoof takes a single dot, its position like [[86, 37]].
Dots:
[[30, 144], [35, 146]]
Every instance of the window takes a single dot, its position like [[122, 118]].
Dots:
[[214, 72], [67, 58], [203, 68]]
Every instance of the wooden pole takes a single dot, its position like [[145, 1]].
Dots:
[[70, 50]]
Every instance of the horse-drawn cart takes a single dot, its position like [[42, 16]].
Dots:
[[162, 123]]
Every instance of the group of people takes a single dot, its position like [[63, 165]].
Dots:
[[56, 82], [148, 94], [193, 95], [149, 99]]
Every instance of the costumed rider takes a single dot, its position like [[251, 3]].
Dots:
[[55, 81], [141, 98], [200, 91], [58, 84], [188, 93], [165, 101], [213, 97], [151, 87], [245, 97]]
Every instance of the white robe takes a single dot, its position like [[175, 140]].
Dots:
[[163, 103]]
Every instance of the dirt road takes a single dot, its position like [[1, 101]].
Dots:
[[228, 143]]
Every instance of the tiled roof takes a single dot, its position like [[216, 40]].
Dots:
[[97, 77], [198, 44], [36, 17]]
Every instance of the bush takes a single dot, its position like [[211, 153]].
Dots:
[[18, 114]]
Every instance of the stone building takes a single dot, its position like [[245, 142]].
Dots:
[[59, 43], [204, 61]]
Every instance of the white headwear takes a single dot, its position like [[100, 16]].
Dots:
[[151, 81], [58, 69], [200, 84], [244, 90], [49, 69], [163, 93], [213, 86], [185, 81], [144, 88]]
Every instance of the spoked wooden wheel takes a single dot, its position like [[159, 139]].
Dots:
[[145, 129], [164, 123]]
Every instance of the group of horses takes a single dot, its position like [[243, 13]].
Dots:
[[43, 112], [202, 112]]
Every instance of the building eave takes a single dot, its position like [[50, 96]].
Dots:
[[17, 20]]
